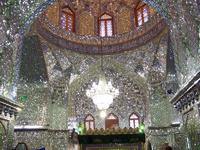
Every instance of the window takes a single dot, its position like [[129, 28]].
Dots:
[[68, 19], [134, 121], [89, 122], [142, 15], [105, 25]]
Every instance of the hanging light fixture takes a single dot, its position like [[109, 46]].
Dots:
[[102, 93]]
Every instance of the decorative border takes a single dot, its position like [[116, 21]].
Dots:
[[109, 47]]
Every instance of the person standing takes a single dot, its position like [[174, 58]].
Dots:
[[74, 139]]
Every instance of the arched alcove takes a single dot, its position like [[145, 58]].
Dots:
[[21, 146], [111, 121], [82, 72]]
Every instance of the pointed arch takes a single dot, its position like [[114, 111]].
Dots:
[[142, 14], [134, 120], [67, 19], [105, 25], [89, 122], [21, 146], [111, 121]]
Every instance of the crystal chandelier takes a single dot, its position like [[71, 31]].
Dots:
[[103, 93]]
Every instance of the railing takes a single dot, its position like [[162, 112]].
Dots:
[[126, 41], [8, 108], [186, 97]]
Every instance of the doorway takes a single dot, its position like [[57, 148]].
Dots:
[[111, 121]]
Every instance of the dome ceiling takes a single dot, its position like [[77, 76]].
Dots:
[[112, 6], [127, 29]]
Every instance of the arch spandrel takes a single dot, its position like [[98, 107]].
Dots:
[[124, 21], [86, 27]]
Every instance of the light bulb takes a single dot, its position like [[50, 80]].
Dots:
[[103, 114]]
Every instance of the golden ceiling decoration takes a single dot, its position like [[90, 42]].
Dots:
[[112, 6]]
